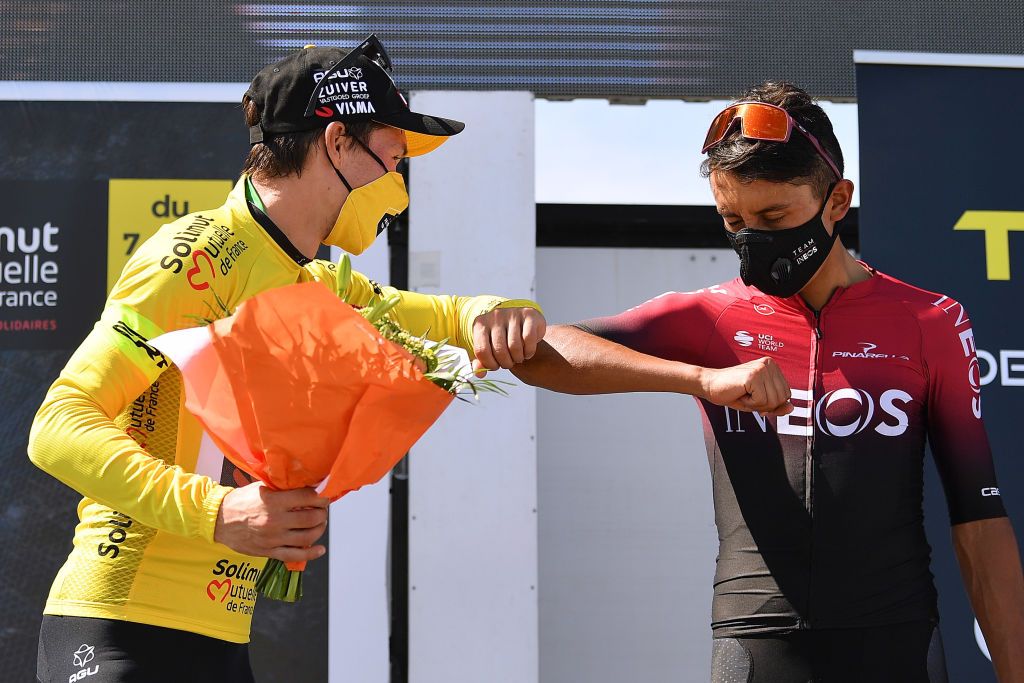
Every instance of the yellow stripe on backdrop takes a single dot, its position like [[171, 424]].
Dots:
[[138, 207]]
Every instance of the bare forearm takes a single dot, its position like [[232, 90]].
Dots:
[[991, 568], [572, 361]]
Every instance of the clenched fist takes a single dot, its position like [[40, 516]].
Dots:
[[757, 385], [506, 337]]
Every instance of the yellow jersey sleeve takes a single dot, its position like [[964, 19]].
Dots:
[[74, 436], [437, 317]]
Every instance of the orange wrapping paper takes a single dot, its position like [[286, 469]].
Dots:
[[297, 386]]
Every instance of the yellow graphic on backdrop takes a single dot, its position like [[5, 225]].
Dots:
[[997, 226], [138, 207]]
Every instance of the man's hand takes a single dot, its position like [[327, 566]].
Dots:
[[506, 337], [255, 520], [757, 385]]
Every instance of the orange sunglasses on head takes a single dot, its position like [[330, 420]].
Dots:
[[761, 121]]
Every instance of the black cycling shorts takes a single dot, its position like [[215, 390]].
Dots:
[[85, 650], [899, 653]]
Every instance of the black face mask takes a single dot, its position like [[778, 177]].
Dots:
[[782, 262]]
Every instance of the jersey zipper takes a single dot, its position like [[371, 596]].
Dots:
[[816, 338]]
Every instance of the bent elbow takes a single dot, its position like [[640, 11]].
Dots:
[[53, 429], [41, 439]]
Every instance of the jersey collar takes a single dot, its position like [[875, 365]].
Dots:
[[258, 211], [857, 290]]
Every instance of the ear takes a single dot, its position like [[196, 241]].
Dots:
[[336, 140], [842, 197]]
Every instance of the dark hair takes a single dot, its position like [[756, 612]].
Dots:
[[795, 161], [286, 153]]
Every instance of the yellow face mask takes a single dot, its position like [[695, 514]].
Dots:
[[368, 210]]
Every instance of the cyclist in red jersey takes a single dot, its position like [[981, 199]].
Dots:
[[823, 566]]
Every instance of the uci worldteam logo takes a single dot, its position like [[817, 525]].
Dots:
[[764, 342], [743, 338]]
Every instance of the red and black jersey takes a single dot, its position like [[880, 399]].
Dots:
[[819, 512]]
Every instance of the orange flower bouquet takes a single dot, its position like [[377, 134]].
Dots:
[[297, 388]]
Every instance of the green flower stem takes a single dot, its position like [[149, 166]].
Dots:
[[279, 583]]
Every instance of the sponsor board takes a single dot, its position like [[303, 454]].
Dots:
[[51, 256], [997, 226], [56, 254], [965, 242], [138, 207]]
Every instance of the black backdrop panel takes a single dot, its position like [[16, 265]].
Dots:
[[53, 248], [932, 147], [59, 158]]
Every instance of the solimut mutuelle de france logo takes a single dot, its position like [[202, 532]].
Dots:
[[29, 275], [233, 586]]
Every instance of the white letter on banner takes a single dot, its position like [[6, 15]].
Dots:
[[1007, 368], [993, 367]]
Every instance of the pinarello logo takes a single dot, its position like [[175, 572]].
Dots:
[[324, 112], [222, 587], [764, 309], [198, 280], [868, 352], [743, 338]]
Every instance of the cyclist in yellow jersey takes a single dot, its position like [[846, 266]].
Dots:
[[169, 543]]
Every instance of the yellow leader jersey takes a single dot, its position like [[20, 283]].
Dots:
[[114, 426]]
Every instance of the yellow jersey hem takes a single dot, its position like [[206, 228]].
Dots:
[[70, 608]]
